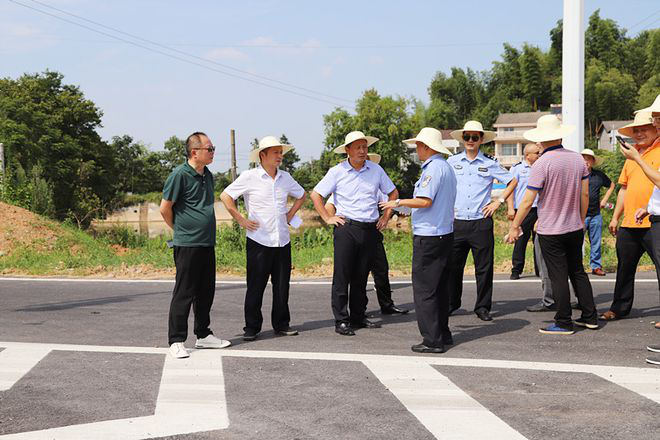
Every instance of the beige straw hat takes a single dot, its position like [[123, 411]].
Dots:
[[352, 137], [474, 126], [548, 128], [267, 142], [654, 108], [642, 118], [590, 152], [430, 137], [374, 157]]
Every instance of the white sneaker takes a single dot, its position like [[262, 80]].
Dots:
[[211, 342], [178, 351]]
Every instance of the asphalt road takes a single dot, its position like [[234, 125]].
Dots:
[[499, 375]]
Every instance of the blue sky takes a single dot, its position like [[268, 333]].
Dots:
[[337, 48]]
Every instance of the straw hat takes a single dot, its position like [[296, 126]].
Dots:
[[267, 142], [352, 137], [590, 152], [642, 118], [430, 137], [374, 157], [474, 126], [548, 128], [654, 108]]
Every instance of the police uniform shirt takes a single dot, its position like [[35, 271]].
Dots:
[[520, 172], [266, 202], [474, 182], [355, 191], [437, 183]]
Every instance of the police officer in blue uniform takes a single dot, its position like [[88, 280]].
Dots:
[[473, 222], [520, 173], [432, 223]]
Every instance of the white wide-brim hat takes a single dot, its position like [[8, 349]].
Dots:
[[374, 157], [268, 142], [474, 126], [590, 152], [352, 137], [548, 128], [654, 108], [642, 118], [430, 137]]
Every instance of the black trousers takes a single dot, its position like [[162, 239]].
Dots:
[[518, 256], [195, 285], [430, 276], [380, 269], [265, 262], [477, 236], [353, 249], [631, 243], [563, 257]]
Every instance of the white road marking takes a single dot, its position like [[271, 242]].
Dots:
[[17, 362], [294, 282], [201, 406], [448, 412]]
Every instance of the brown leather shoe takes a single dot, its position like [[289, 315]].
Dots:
[[608, 316], [599, 271]]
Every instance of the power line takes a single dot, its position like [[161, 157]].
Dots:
[[643, 20], [186, 54]]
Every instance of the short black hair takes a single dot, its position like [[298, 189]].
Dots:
[[194, 141]]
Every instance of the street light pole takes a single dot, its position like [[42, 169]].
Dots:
[[572, 82]]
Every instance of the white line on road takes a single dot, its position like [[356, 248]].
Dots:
[[16, 362], [448, 412]]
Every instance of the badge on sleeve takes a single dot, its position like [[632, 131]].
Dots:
[[458, 167], [426, 181]]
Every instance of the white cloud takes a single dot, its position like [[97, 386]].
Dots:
[[270, 45], [327, 71], [225, 53], [20, 37]]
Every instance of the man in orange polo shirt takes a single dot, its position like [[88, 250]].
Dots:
[[633, 239]]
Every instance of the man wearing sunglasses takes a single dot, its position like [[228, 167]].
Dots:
[[187, 208], [473, 211]]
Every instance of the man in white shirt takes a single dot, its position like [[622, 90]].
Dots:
[[265, 190]]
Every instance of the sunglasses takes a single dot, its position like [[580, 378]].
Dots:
[[473, 137], [209, 149]]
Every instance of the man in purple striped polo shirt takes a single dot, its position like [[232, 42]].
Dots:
[[560, 178]]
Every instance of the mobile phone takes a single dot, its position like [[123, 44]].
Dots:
[[622, 142]]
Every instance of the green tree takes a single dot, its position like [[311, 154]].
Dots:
[[290, 159], [604, 41], [609, 94]]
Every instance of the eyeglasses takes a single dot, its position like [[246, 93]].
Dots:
[[473, 137], [209, 149]]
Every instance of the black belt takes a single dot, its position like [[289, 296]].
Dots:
[[654, 218], [362, 225]]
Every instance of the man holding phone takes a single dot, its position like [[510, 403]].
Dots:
[[632, 238]]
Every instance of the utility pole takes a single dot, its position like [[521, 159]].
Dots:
[[572, 81], [233, 155]]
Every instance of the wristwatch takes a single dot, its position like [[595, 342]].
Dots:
[[397, 202], [501, 200]]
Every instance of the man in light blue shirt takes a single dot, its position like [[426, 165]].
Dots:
[[433, 224], [473, 224], [355, 183], [520, 173]]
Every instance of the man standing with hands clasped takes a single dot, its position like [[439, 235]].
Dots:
[[187, 208], [560, 178], [433, 224], [355, 183], [266, 190]]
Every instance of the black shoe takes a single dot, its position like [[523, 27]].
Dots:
[[447, 340], [540, 307], [288, 331], [484, 315], [394, 310], [365, 323], [344, 329], [250, 335], [514, 276], [421, 348]]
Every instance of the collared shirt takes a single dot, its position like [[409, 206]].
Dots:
[[265, 199], [192, 196], [437, 183], [597, 180], [638, 186], [654, 203], [557, 176], [520, 172], [356, 191], [474, 183]]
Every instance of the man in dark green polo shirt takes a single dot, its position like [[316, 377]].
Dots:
[[187, 208]]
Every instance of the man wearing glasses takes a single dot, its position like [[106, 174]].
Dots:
[[473, 211], [187, 208]]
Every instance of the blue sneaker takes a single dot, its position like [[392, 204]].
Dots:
[[554, 329]]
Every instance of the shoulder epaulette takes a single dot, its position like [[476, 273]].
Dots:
[[515, 165], [490, 157]]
